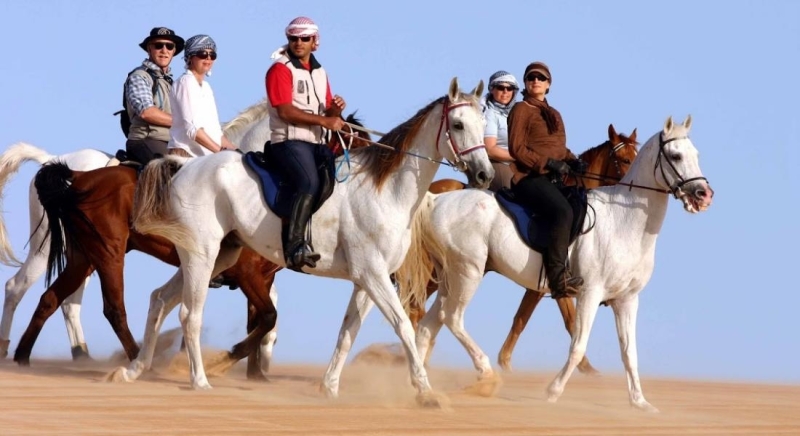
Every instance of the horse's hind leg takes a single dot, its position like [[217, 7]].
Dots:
[[429, 328], [76, 271], [357, 310], [71, 308], [258, 362], [567, 307], [16, 287], [529, 302], [460, 290], [111, 284]]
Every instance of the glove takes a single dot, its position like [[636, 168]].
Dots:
[[557, 166], [578, 166]]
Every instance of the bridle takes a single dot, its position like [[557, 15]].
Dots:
[[680, 182], [444, 122]]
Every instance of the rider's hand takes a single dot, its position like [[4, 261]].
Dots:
[[333, 123], [578, 166], [338, 102], [557, 166]]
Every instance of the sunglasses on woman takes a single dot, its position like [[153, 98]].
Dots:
[[504, 88], [159, 45], [206, 55], [299, 38]]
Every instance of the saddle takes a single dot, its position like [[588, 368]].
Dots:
[[279, 193], [533, 228]]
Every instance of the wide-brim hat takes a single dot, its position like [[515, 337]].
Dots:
[[164, 33]]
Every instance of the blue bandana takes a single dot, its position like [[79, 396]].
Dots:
[[197, 44]]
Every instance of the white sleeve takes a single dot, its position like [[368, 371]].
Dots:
[[185, 91]]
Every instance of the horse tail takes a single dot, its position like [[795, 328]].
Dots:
[[424, 254], [10, 161], [60, 201], [151, 210]]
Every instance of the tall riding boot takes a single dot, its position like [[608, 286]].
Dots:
[[298, 253], [561, 281]]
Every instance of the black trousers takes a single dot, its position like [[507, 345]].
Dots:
[[298, 162], [145, 150], [541, 195]]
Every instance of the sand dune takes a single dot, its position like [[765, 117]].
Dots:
[[63, 397]]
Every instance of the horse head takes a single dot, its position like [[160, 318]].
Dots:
[[460, 135], [677, 166]]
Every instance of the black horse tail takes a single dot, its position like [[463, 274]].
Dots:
[[60, 201]]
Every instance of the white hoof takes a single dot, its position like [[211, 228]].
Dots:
[[329, 391], [643, 405], [553, 393], [201, 386]]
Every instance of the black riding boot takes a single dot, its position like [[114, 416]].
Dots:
[[562, 282], [298, 253]]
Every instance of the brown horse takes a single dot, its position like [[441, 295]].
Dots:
[[94, 208], [607, 163]]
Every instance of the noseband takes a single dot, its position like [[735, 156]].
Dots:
[[674, 188], [457, 163]]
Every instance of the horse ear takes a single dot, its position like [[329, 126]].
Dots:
[[633, 136], [612, 133], [452, 93], [688, 122], [668, 125], [478, 89]]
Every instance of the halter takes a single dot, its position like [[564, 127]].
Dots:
[[457, 162], [674, 188]]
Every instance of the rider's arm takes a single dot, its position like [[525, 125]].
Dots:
[[518, 141], [140, 100], [279, 92], [186, 91], [496, 154]]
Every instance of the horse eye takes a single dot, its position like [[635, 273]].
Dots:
[[626, 161], [675, 157], [458, 125]]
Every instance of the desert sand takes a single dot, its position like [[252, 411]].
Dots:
[[72, 398]]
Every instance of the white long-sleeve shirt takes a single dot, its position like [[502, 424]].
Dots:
[[193, 108]]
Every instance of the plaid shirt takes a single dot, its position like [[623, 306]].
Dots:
[[139, 90]]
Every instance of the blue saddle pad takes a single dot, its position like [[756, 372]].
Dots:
[[270, 181], [533, 228]]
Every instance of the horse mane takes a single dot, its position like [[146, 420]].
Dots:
[[380, 162], [590, 154], [244, 118]]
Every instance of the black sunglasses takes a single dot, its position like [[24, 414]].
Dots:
[[504, 88], [206, 55], [530, 77], [160, 45], [299, 38]]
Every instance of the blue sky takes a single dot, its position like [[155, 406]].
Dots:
[[723, 300]]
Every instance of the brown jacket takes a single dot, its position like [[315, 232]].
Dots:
[[530, 143]]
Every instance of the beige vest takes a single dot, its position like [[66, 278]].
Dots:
[[140, 129], [309, 89]]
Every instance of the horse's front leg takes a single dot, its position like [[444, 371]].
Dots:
[[357, 310], [530, 300], [625, 311], [588, 302]]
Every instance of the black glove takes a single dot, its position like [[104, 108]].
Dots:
[[578, 166], [557, 166]]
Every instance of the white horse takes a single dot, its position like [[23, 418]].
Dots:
[[36, 262], [238, 130], [467, 233], [362, 231]]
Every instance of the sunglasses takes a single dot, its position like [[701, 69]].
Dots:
[[504, 88], [299, 38], [159, 45], [206, 55], [536, 76]]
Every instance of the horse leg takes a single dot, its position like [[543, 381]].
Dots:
[[16, 287], [529, 302], [113, 290], [380, 289], [417, 311], [625, 311], [76, 271], [429, 328], [71, 308], [264, 355], [588, 303], [198, 269], [162, 301], [357, 310], [567, 308]]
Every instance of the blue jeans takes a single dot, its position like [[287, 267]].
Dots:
[[298, 162]]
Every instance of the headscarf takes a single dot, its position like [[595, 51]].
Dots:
[[497, 78], [300, 26], [198, 43]]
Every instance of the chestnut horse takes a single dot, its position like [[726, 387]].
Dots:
[[94, 210], [607, 163]]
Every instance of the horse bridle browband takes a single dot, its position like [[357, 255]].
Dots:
[[457, 162]]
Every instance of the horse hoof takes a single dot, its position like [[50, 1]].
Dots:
[[588, 370], [23, 362], [118, 375], [201, 386], [505, 365], [81, 353], [257, 376], [432, 400], [4, 344], [328, 391], [487, 386], [645, 407]]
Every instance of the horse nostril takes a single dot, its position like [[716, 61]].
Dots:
[[481, 176]]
